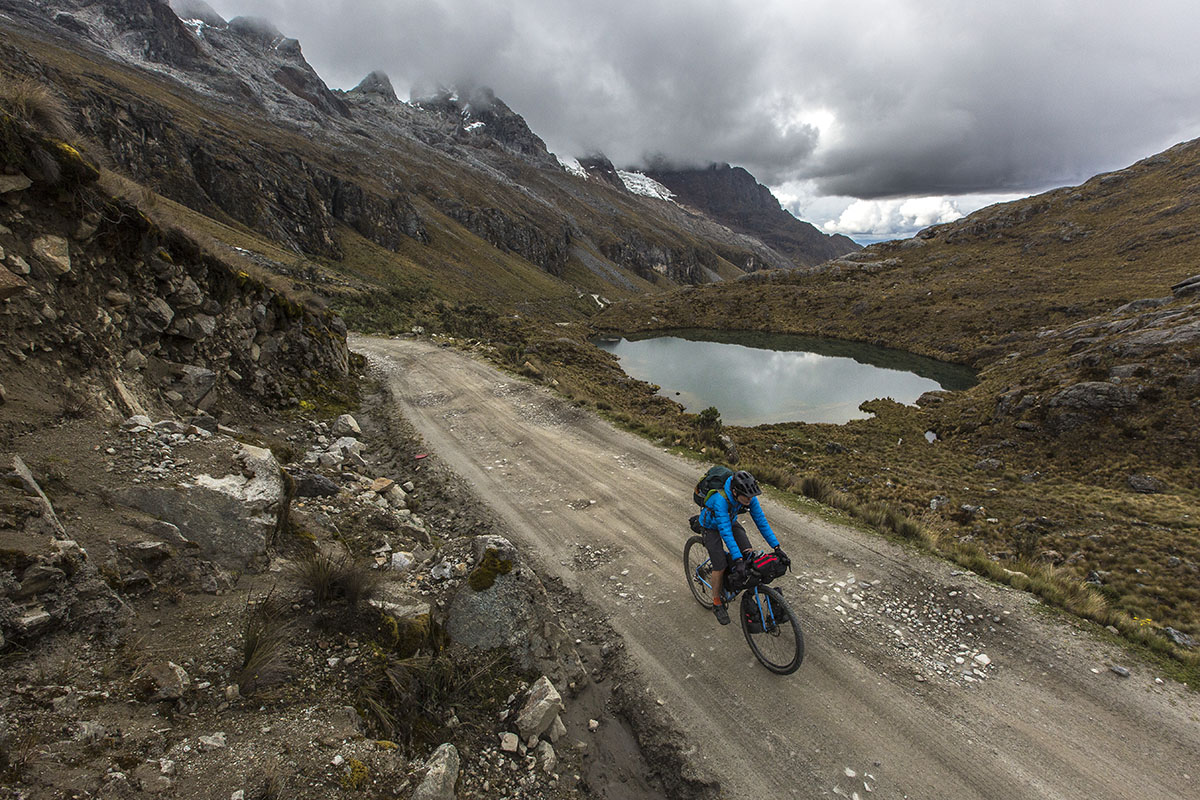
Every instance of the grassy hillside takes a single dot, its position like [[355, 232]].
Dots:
[[957, 291]]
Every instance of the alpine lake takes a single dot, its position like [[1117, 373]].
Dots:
[[758, 379]]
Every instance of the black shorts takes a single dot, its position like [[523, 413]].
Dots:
[[716, 545]]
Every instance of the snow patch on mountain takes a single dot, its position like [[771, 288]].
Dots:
[[572, 166], [637, 183]]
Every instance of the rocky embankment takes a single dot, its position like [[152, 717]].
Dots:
[[131, 608], [203, 595], [94, 289]]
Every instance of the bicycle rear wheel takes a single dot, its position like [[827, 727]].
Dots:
[[698, 569], [772, 630]]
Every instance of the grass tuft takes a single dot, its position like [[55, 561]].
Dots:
[[38, 105], [331, 579], [264, 636]]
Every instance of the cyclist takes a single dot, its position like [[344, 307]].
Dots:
[[721, 529]]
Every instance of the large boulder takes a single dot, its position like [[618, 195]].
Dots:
[[232, 519], [511, 611], [346, 425]]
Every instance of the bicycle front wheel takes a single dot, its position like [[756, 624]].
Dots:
[[698, 569], [772, 630]]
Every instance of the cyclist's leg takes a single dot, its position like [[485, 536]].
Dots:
[[739, 536], [718, 558]]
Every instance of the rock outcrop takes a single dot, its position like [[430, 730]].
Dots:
[[732, 196], [118, 291]]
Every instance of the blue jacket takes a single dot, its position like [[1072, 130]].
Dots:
[[721, 511]]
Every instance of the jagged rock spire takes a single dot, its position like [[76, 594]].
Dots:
[[377, 84]]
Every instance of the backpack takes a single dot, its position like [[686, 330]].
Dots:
[[712, 482]]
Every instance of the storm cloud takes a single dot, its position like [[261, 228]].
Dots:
[[862, 99]]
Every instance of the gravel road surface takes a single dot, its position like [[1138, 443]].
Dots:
[[919, 680]]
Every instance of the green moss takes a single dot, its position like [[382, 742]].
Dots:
[[355, 776], [483, 576], [391, 630], [411, 635]]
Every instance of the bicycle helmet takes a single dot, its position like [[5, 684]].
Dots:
[[744, 484]]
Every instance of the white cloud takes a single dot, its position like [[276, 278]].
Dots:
[[886, 217], [868, 221]]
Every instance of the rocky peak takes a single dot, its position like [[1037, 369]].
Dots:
[[377, 85], [480, 114], [147, 29], [599, 167], [274, 56], [733, 196], [718, 187], [256, 29], [197, 10]]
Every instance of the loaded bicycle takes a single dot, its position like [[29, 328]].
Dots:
[[771, 627]]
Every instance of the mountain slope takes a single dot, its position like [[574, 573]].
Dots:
[[452, 197], [733, 196]]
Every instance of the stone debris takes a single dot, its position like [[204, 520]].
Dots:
[[346, 426], [214, 741], [540, 710], [164, 681], [939, 634]]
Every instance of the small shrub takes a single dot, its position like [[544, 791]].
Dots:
[[75, 405], [709, 419], [272, 788], [815, 487], [406, 699]]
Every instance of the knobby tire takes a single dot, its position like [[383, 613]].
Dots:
[[695, 555], [786, 627]]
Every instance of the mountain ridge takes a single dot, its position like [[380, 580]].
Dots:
[[734, 196], [332, 164]]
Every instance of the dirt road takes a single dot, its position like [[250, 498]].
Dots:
[[919, 681]]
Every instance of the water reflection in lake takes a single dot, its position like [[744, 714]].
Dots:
[[754, 378]]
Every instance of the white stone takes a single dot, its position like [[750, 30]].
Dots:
[[213, 742], [982, 659], [540, 710], [14, 183], [346, 425], [547, 760], [54, 252], [442, 774], [509, 742], [557, 730]]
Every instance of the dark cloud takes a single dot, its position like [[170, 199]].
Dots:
[[875, 99]]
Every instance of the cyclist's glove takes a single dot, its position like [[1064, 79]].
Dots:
[[739, 572], [783, 559]]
